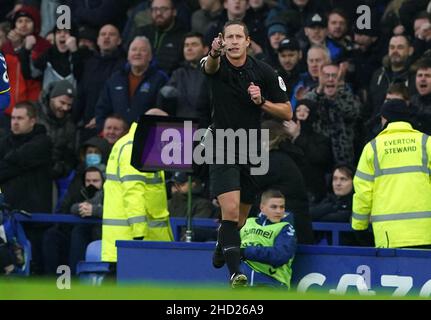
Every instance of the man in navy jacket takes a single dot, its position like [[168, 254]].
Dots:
[[132, 91]]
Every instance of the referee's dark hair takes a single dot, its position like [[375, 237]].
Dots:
[[271, 193], [236, 22]]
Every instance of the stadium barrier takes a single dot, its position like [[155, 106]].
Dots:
[[333, 269], [178, 224]]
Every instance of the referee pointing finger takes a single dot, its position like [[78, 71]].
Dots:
[[241, 88]]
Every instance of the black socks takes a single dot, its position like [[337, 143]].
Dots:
[[230, 242]]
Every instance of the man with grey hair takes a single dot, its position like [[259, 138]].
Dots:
[[133, 90], [316, 57]]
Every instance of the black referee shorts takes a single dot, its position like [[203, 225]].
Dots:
[[230, 177]]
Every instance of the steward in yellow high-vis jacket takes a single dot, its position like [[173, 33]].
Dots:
[[135, 203], [392, 183]]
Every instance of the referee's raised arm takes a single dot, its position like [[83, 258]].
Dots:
[[212, 63]]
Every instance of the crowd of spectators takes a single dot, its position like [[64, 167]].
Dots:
[[75, 92]]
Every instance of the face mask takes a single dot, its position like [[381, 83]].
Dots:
[[93, 159], [91, 191]]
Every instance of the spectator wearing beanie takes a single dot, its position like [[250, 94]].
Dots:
[[396, 110], [54, 113], [277, 32], [26, 27], [290, 63], [87, 38]]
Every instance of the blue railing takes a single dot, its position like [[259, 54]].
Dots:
[[178, 223]]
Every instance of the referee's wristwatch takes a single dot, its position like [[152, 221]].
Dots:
[[215, 55], [263, 101]]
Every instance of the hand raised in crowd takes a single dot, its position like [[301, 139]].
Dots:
[[301, 92], [85, 209], [30, 42], [14, 10], [71, 44], [292, 128], [15, 38], [91, 124], [322, 82], [424, 32], [399, 30], [255, 48], [50, 37], [255, 94], [343, 67], [217, 45]]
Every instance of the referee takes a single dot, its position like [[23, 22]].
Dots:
[[241, 87]]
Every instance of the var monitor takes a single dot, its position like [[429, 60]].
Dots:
[[164, 143]]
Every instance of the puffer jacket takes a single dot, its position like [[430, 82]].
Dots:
[[62, 133]]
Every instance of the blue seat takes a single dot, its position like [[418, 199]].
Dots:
[[93, 270], [94, 251]]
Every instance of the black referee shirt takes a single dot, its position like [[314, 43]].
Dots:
[[230, 101]]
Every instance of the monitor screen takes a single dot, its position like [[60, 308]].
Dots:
[[164, 143]]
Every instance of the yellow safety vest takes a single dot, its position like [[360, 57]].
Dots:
[[135, 203], [393, 188]]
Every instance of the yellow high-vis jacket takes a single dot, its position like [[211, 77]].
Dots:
[[393, 188], [135, 203]]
